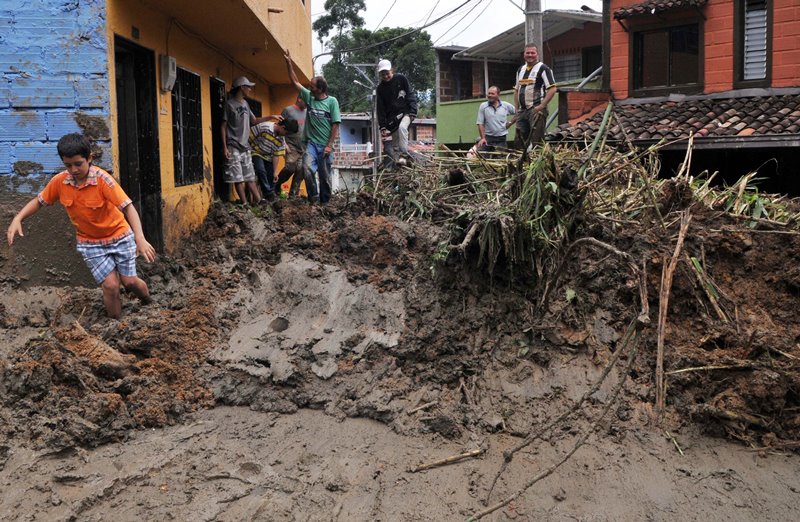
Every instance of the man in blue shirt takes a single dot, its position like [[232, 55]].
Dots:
[[493, 120]]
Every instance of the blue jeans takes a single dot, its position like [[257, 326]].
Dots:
[[264, 174], [316, 163]]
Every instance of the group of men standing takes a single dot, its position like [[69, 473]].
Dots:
[[262, 153], [534, 87]]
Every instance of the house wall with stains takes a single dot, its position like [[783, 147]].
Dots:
[[185, 207], [53, 81]]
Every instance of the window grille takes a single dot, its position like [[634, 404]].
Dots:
[[187, 128]]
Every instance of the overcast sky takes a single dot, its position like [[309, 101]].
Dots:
[[477, 21]]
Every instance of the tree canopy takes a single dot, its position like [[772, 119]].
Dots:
[[411, 54], [340, 16]]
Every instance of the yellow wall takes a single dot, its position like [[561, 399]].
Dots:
[[185, 207], [291, 27]]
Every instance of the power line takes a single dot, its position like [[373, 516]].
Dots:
[[462, 19], [431, 11], [384, 16], [398, 37]]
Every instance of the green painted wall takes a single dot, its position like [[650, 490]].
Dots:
[[455, 121]]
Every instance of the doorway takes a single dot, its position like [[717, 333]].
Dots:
[[222, 190], [137, 128]]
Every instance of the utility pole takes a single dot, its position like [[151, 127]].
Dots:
[[377, 145], [533, 24]]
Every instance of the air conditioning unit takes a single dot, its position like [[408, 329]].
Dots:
[[169, 71]]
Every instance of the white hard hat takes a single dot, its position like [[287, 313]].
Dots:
[[384, 65]]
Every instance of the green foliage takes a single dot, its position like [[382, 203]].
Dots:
[[410, 54], [340, 16]]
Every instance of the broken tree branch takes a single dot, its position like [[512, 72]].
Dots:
[[448, 460], [663, 306]]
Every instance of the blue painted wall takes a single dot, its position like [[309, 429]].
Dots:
[[53, 81]]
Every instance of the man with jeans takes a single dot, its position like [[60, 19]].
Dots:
[[322, 128], [534, 89], [493, 121], [397, 108]]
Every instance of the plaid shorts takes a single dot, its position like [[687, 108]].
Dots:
[[103, 259], [239, 167]]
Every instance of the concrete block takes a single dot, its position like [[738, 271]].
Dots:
[[22, 126], [15, 61], [74, 60], [61, 123], [104, 161], [92, 93], [38, 27], [5, 93], [44, 154], [50, 92], [5, 158]]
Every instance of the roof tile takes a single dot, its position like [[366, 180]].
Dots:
[[737, 116], [655, 7]]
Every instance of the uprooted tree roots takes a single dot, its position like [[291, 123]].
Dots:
[[727, 359]]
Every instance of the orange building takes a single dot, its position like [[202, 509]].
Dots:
[[725, 71]]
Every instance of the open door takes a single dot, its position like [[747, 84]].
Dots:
[[218, 95], [137, 127]]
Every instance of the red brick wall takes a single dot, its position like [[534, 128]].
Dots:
[[573, 41], [718, 37], [786, 43], [718, 46], [425, 133], [455, 81], [582, 102]]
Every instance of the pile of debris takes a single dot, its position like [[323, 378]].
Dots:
[[431, 290]]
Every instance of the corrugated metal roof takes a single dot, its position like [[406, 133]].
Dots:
[[507, 46]]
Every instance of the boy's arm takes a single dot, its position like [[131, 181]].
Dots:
[[142, 246], [15, 228]]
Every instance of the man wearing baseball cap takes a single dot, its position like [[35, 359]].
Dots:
[[397, 107], [237, 118]]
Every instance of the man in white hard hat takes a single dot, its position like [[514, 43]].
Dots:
[[397, 107]]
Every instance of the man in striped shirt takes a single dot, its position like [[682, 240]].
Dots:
[[534, 89], [268, 148]]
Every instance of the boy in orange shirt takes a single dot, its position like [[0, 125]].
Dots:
[[108, 228]]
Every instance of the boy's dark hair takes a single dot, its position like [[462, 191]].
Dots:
[[74, 145], [290, 125], [322, 85]]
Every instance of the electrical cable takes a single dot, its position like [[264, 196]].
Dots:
[[462, 18], [431, 11], [384, 16], [398, 37]]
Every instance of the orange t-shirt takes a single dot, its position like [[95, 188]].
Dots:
[[95, 207]]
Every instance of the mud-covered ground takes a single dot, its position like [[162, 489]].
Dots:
[[299, 360]]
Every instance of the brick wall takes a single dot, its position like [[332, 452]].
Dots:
[[455, 77], [718, 46], [573, 104], [786, 43], [54, 81], [426, 133], [573, 41], [718, 37]]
